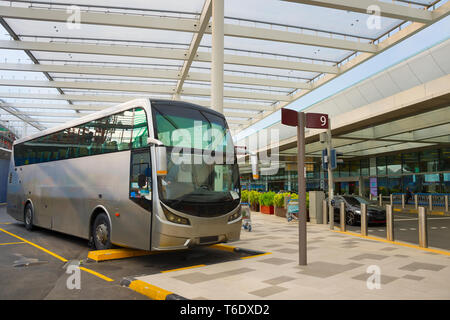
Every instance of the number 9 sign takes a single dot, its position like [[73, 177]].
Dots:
[[317, 120]]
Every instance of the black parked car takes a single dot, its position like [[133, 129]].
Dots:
[[375, 213]]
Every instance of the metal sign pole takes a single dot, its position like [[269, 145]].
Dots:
[[301, 189], [330, 178]]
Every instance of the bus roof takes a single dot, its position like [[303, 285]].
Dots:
[[112, 110]]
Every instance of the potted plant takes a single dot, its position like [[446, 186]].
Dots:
[[253, 199], [278, 201], [266, 202], [244, 196]]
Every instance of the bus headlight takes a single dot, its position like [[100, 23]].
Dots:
[[174, 218], [234, 216]]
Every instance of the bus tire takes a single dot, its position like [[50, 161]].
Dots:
[[101, 232], [28, 217]]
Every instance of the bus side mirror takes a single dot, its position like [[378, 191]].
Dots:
[[161, 156], [254, 162]]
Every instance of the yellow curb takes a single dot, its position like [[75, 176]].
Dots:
[[148, 290], [185, 268], [432, 213], [257, 255], [446, 253], [223, 247], [112, 254]]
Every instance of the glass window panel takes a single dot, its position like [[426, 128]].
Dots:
[[365, 167], [354, 168], [394, 164], [445, 159], [381, 166], [411, 162], [429, 160]]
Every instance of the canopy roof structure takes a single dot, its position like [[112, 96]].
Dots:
[[56, 67]]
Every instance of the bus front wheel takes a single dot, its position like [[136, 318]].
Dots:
[[102, 232], [28, 217]]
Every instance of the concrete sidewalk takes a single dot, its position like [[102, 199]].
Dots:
[[337, 268]]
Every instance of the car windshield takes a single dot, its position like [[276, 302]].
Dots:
[[203, 175], [356, 200]]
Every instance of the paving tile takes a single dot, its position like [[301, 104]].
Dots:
[[287, 250], [401, 256], [276, 261], [197, 277], [369, 256], [278, 280], [265, 292], [413, 277], [322, 269], [422, 266], [388, 249], [384, 279]]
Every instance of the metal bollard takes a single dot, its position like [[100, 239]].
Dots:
[[380, 200], [446, 202], [331, 215], [416, 201], [364, 222], [430, 202], [324, 212], [391, 198], [423, 236], [342, 221], [389, 223], [403, 201]]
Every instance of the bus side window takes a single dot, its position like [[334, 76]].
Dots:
[[141, 178]]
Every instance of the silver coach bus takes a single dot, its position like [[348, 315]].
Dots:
[[110, 178]]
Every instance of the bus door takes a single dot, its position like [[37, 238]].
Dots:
[[138, 224]]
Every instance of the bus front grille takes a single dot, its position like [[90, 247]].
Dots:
[[209, 239]]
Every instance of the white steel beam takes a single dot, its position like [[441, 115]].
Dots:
[[217, 61], [163, 53], [385, 9], [185, 25], [117, 99], [141, 88], [149, 73], [195, 43]]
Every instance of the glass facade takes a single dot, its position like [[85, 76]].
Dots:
[[424, 171]]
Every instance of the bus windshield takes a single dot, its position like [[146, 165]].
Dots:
[[203, 175]]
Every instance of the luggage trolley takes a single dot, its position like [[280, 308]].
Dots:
[[246, 216]]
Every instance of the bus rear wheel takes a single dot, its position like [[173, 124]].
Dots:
[[101, 232], [28, 217]]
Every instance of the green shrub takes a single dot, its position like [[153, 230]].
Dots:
[[244, 196], [253, 197], [266, 199], [278, 200], [294, 196]]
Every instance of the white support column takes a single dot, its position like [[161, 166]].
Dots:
[[217, 55]]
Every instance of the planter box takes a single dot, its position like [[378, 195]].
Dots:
[[254, 207], [280, 212], [267, 209]]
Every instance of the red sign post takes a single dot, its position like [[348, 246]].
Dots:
[[301, 120]]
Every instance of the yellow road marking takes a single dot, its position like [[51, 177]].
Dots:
[[151, 291], [5, 222], [112, 254], [55, 255], [223, 247], [8, 243], [97, 274], [35, 245], [185, 268], [447, 253], [257, 255]]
